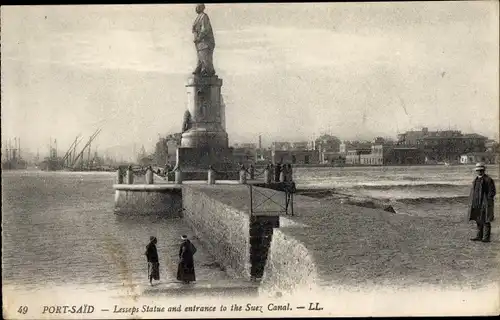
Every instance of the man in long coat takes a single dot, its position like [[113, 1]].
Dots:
[[185, 270], [204, 42], [481, 203], [153, 261]]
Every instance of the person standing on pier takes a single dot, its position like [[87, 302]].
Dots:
[[289, 172], [185, 270], [481, 203], [153, 261], [277, 172]]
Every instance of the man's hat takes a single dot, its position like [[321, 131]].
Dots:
[[152, 238], [184, 237], [480, 166]]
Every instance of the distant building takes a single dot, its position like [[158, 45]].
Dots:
[[296, 145], [244, 156], [407, 156], [345, 146], [439, 146], [252, 146], [374, 158], [353, 156], [263, 155], [295, 156], [301, 145], [280, 146], [474, 157], [327, 143], [491, 146], [411, 138], [450, 145], [330, 157]]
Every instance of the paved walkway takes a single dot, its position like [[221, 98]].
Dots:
[[356, 246]]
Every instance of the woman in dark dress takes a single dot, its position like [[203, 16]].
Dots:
[[185, 271], [153, 261]]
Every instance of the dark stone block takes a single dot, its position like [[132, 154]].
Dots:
[[195, 162]]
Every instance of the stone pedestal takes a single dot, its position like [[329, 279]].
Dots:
[[195, 162], [204, 105], [205, 143]]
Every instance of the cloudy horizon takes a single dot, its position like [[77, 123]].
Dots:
[[290, 71]]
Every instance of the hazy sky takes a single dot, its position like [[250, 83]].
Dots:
[[290, 71]]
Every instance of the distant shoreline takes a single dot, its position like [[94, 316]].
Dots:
[[377, 166]]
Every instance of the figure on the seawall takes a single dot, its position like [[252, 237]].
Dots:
[[185, 270], [204, 42], [153, 261], [481, 203]]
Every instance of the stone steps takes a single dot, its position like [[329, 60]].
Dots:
[[204, 287]]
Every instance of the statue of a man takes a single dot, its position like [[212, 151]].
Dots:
[[204, 42]]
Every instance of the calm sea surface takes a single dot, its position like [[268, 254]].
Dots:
[[59, 227]]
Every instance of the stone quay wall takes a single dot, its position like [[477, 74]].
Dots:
[[290, 267], [148, 200], [223, 229]]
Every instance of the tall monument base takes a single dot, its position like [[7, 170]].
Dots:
[[195, 162], [204, 141]]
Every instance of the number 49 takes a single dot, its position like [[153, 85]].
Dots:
[[23, 309]]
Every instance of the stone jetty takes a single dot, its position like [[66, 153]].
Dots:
[[326, 243]]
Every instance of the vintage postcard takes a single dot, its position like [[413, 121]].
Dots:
[[250, 160]]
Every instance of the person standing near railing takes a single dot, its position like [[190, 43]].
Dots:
[[277, 172]]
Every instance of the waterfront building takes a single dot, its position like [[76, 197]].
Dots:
[[448, 146], [282, 146], [475, 157], [245, 153], [327, 143], [263, 155], [353, 156], [491, 146], [401, 155], [301, 145], [251, 146], [443, 146], [374, 158], [345, 146], [411, 138], [330, 157], [295, 156]]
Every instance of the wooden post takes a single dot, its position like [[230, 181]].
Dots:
[[252, 172], [211, 176], [149, 175], [243, 175], [267, 175], [130, 175], [178, 176], [119, 176]]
